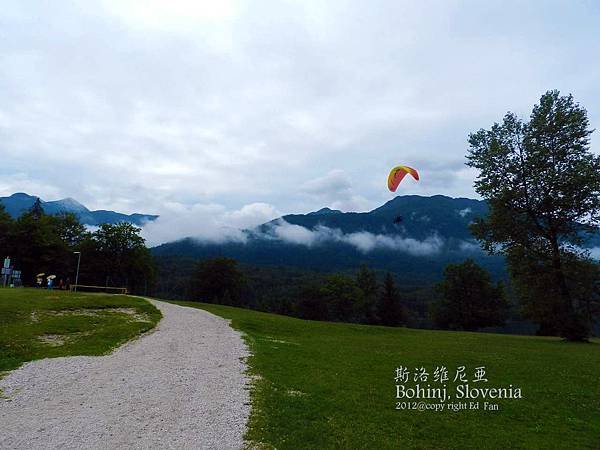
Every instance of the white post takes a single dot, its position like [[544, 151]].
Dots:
[[77, 274]]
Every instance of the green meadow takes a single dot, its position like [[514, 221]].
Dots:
[[322, 385], [39, 323]]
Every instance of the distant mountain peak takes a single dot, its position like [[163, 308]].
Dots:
[[21, 195], [70, 204], [324, 211], [418, 201], [71, 201]]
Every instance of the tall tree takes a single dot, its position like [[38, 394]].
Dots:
[[389, 308], [6, 224], [469, 299], [310, 304], [37, 210], [116, 255], [217, 280], [542, 184], [69, 229], [366, 280], [36, 245], [341, 295]]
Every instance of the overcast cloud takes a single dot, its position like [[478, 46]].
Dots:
[[362, 241], [228, 113]]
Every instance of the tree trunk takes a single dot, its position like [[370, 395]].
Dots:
[[573, 326]]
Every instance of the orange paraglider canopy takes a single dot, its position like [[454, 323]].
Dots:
[[397, 174]]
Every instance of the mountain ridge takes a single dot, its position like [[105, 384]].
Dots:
[[412, 236], [19, 202]]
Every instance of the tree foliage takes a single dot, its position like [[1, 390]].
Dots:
[[35, 244], [366, 280], [534, 279], [542, 184], [360, 299], [217, 280], [469, 300], [116, 255], [336, 297], [5, 228], [389, 308], [113, 255], [342, 297]]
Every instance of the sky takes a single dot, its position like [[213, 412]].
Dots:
[[225, 114]]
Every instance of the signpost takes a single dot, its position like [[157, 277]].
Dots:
[[15, 279], [5, 271], [10, 276]]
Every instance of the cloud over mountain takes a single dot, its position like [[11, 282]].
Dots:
[[363, 241], [207, 222]]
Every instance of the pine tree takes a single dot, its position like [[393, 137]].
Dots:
[[37, 210], [390, 309]]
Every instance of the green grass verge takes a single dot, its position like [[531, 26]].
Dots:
[[325, 385], [38, 323]]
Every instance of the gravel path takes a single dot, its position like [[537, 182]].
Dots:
[[182, 386]]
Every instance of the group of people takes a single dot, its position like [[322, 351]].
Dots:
[[62, 284]]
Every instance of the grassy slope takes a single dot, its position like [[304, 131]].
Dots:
[[346, 376], [83, 324]]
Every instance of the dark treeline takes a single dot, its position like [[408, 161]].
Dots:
[[362, 296], [113, 255], [465, 299], [357, 296], [337, 297]]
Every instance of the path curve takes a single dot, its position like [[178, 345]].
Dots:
[[181, 386]]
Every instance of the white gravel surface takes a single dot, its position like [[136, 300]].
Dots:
[[181, 386]]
